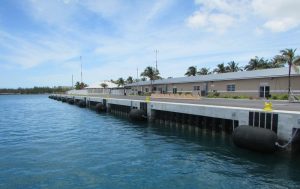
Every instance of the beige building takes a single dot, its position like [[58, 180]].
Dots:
[[257, 83]]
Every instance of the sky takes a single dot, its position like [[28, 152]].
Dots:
[[41, 41]]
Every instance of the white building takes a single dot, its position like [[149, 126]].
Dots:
[[105, 88]]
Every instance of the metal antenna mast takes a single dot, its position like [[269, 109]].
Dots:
[[81, 68], [156, 52]]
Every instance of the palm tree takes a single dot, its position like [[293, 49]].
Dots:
[[288, 56], [79, 85], [152, 74], [276, 62], [203, 71], [233, 67], [257, 64], [129, 80], [220, 69], [192, 71], [120, 82]]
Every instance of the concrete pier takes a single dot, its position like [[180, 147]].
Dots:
[[219, 119]]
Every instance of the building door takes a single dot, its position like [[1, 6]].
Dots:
[[264, 91], [174, 90]]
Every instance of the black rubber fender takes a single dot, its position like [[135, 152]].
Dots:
[[255, 138], [137, 115], [70, 101], [82, 104], [100, 107]]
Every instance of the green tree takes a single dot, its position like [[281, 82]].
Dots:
[[152, 74], [288, 56], [120, 82], [129, 80], [257, 64], [276, 62], [203, 71], [192, 71], [220, 68], [233, 67], [104, 85], [79, 85]]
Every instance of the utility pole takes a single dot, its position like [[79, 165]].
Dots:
[[72, 82], [137, 73], [156, 52], [81, 68]]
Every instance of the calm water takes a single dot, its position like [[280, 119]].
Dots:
[[49, 144]]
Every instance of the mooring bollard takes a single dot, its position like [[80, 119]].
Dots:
[[268, 106], [147, 99]]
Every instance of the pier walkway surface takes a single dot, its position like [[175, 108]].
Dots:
[[243, 103]]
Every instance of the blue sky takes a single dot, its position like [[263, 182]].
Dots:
[[41, 40]]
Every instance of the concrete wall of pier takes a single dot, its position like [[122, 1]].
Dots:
[[283, 123]]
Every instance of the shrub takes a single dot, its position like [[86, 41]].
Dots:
[[213, 95], [280, 97], [284, 97], [216, 94]]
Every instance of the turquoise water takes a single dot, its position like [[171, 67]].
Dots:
[[49, 144]]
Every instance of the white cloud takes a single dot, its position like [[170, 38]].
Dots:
[[279, 15], [197, 20], [54, 13], [231, 7], [28, 54], [281, 25], [157, 8], [218, 23], [217, 15], [258, 31], [104, 8]]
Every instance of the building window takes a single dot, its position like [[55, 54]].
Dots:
[[196, 88], [231, 87], [154, 88], [147, 90]]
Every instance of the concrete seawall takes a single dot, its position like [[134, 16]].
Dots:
[[220, 118]]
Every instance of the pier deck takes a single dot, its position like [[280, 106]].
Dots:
[[243, 103]]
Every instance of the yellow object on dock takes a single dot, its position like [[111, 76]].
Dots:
[[268, 106], [147, 98]]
